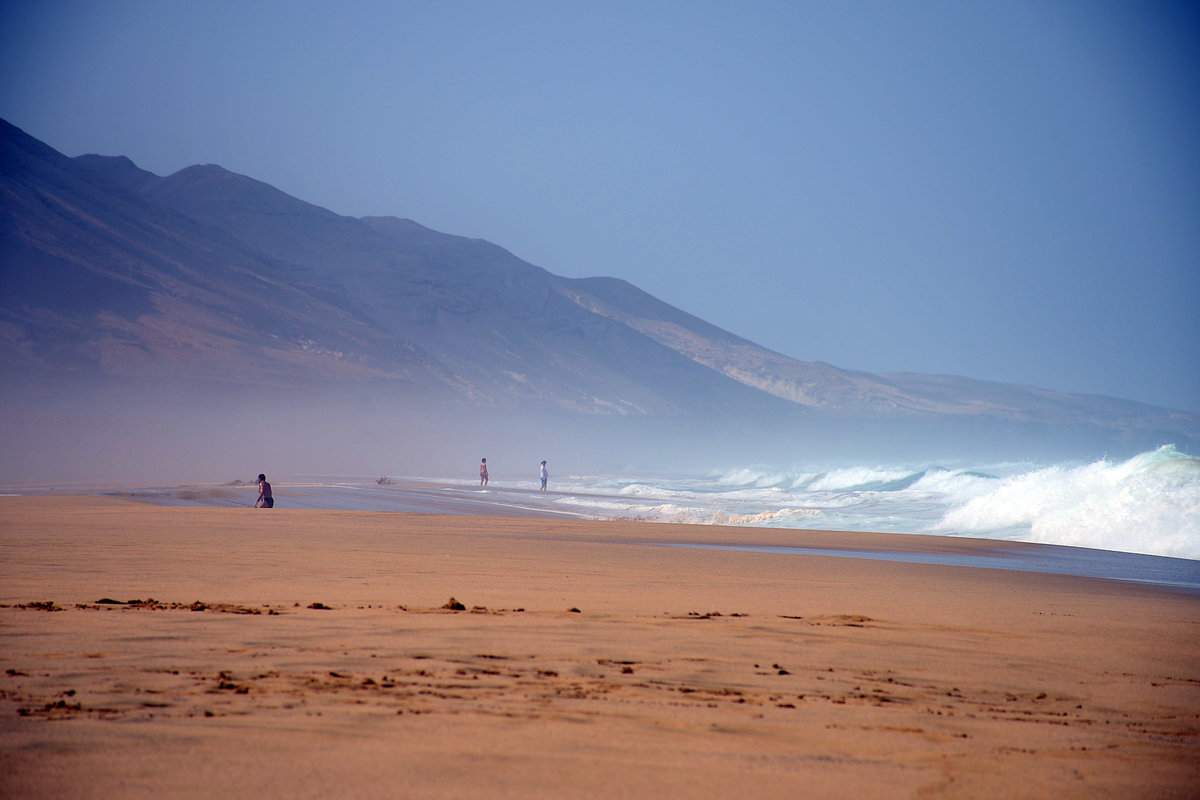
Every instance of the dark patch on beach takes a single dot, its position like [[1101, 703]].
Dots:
[[107, 604], [56, 709], [226, 683], [838, 620], [39, 605], [696, 615]]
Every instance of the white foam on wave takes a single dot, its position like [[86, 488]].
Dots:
[[698, 493], [1148, 504], [643, 490], [855, 478], [954, 484], [724, 518], [762, 478], [594, 503], [670, 512]]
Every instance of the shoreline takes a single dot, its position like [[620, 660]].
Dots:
[[441, 497]]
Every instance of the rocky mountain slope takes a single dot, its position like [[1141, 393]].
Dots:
[[112, 271]]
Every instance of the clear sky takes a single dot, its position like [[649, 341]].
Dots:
[[1004, 190]]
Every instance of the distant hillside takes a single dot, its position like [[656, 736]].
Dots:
[[109, 270]]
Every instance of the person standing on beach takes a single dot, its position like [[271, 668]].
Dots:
[[544, 475], [265, 498], [483, 476]]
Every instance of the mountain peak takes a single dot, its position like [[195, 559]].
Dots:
[[200, 185], [119, 171]]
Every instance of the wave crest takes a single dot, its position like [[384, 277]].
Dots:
[[1147, 504]]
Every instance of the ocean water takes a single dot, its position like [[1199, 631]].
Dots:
[[1148, 504], [1135, 519]]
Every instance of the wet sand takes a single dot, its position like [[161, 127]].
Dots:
[[309, 653]]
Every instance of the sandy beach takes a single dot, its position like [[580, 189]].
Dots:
[[150, 651]]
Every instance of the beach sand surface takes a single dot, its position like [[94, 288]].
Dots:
[[305, 654]]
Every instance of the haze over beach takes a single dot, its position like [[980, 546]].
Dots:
[[893, 307], [1006, 193]]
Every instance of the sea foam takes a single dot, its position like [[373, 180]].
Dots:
[[1147, 504]]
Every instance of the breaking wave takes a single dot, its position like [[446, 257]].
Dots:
[[1148, 504]]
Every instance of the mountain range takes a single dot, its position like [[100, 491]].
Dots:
[[112, 273]]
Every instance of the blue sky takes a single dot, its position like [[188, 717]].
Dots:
[[1007, 190]]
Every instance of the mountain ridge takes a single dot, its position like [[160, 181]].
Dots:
[[110, 269]]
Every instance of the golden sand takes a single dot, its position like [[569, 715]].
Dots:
[[299, 654]]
